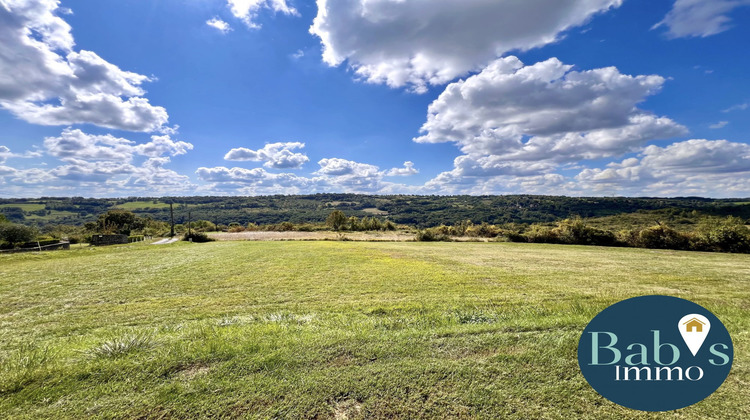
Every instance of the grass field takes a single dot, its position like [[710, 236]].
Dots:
[[55, 214], [25, 206], [135, 205], [337, 329]]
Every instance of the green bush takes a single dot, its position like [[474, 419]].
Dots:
[[286, 226], [662, 236], [576, 232], [337, 220], [236, 228], [628, 237], [485, 230], [431, 235], [76, 239], [198, 237], [354, 224], [203, 226], [13, 234], [119, 221], [307, 227], [540, 234], [722, 235]]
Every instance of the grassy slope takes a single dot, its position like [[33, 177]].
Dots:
[[134, 205], [306, 329], [25, 206]]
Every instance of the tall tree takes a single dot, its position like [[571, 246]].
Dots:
[[336, 220]]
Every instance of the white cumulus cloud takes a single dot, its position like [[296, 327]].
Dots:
[[738, 107], [524, 120], [5, 154], [275, 155], [247, 10], [693, 167], [43, 80], [422, 42], [699, 18], [334, 175], [219, 25], [407, 170], [74, 144]]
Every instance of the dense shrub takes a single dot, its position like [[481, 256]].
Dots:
[[576, 232], [119, 221], [628, 237], [197, 237], [540, 234], [431, 235], [485, 230], [371, 223], [662, 236], [722, 235], [308, 227], [286, 226], [203, 226], [337, 220], [512, 232], [355, 224], [12, 233]]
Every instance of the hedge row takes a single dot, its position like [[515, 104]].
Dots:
[[716, 235]]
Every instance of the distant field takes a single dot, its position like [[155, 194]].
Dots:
[[312, 236], [55, 214], [133, 205], [25, 206], [337, 329]]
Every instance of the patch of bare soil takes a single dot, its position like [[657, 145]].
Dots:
[[192, 371], [347, 409]]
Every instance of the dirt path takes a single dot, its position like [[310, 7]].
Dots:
[[166, 241], [313, 236]]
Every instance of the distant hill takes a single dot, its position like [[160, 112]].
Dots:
[[421, 211]]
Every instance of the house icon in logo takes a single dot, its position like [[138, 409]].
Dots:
[[693, 325]]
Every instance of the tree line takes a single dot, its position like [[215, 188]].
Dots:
[[413, 210], [696, 230], [713, 234]]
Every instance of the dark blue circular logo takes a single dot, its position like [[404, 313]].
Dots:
[[655, 353]]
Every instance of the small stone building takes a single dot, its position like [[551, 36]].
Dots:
[[101, 240]]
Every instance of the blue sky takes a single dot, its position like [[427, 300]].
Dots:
[[250, 97]]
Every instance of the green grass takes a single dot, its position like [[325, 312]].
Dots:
[[25, 206], [337, 329], [55, 214], [135, 205]]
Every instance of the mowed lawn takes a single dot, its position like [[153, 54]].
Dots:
[[337, 329]]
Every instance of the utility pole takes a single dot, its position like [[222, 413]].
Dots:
[[171, 217], [189, 223]]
